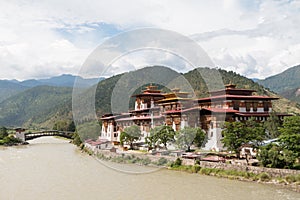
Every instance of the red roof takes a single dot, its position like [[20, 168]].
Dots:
[[236, 97], [221, 110], [172, 111], [148, 94], [258, 114], [138, 118]]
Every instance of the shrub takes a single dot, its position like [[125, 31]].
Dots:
[[205, 171], [162, 161], [264, 176], [178, 162], [291, 178], [195, 169], [146, 161]]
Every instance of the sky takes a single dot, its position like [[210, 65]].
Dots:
[[44, 38]]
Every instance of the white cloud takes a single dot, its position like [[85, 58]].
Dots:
[[45, 38]]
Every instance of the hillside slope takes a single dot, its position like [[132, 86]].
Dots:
[[293, 94], [9, 88], [287, 80], [35, 105]]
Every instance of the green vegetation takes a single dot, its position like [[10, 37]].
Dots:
[[76, 140], [289, 79], [64, 125], [130, 135], [274, 156], [285, 153], [292, 94], [272, 125], [35, 106], [176, 163], [89, 130], [237, 134], [237, 175], [6, 139], [290, 135], [189, 136], [160, 135]]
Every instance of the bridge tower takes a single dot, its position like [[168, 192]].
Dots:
[[20, 133]]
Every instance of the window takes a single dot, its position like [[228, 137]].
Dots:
[[254, 106], [266, 106], [236, 105], [247, 106]]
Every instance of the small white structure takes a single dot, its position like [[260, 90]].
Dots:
[[20, 133]]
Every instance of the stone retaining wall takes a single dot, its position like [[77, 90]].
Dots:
[[153, 158], [257, 170]]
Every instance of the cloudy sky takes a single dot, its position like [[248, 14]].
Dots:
[[38, 39]]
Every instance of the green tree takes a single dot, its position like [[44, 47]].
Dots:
[[165, 134], [256, 132], [188, 136], [237, 134], [71, 126], [272, 155], [3, 132], [234, 136], [290, 134], [76, 139], [130, 135], [272, 125], [61, 125], [200, 137], [152, 139]]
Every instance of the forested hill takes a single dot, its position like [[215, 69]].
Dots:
[[46, 105], [197, 82], [106, 87], [293, 94], [287, 80], [9, 88], [35, 106]]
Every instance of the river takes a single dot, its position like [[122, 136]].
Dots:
[[51, 168]]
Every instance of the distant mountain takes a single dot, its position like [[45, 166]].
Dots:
[[65, 80], [9, 88], [44, 105], [287, 80], [255, 79]]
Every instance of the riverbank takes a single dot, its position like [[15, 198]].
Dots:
[[50, 168], [11, 141], [286, 178]]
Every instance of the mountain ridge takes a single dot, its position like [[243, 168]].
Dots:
[[54, 104], [9, 88], [286, 80]]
